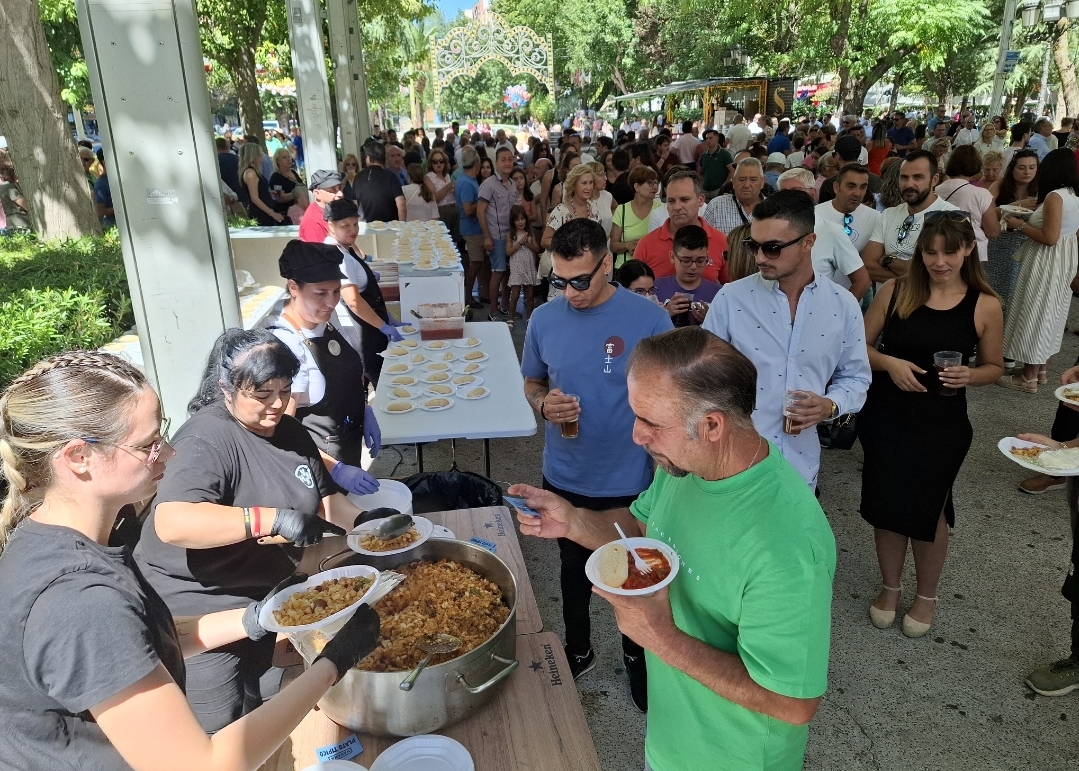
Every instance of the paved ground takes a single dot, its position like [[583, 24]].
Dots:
[[952, 700]]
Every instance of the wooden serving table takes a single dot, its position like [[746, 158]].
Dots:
[[534, 722]]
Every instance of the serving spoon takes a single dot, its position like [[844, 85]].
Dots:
[[432, 645]]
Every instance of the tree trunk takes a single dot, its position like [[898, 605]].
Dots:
[[1069, 87], [897, 84], [1006, 108], [35, 120], [242, 72]]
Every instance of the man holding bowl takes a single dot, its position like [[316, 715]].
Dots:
[[737, 645]]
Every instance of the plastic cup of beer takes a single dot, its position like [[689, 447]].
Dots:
[[789, 400], [941, 361], [571, 428]]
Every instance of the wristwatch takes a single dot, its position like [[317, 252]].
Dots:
[[542, 405], [835, 411], [887, 260]]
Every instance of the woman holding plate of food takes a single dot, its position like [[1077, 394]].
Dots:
[[100, 677], [329, 392], [245, 471]]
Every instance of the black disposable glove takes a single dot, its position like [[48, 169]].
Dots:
[[357, 638], [251, 615], [301, 528]]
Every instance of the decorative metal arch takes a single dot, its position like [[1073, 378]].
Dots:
[[463, 50]]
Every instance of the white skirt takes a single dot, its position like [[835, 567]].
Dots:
[[1039, 305]]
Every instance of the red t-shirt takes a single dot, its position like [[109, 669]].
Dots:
[[313, 227], [656, 247]]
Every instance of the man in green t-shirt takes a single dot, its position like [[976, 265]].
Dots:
[[715, 165], [737, 645]]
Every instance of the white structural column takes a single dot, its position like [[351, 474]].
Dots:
[[312, 89], [996, 101], [350, 80], [149, 89]]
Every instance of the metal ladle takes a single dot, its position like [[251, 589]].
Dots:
[[393, 523], [432, 645]]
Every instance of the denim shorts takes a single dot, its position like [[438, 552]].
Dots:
[[499, 261]]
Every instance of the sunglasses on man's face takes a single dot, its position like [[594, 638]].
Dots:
[[580, 283], [955, 215], [770, 250]]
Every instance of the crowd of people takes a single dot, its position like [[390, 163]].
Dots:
[[777, 287]]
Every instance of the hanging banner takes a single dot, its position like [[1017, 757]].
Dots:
[[780, 98]]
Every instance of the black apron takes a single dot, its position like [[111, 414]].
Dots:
[[336, 421], [373, 342]]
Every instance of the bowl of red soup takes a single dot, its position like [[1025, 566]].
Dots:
[[611, 567]]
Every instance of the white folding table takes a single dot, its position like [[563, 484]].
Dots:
[[502, 414]]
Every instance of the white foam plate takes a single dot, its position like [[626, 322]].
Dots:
[[398, 412], [440, 356], [437, 345], [425, 753], [394, 375], [1074, 399], [410, 344], [443, 532], [591, 568], [388, 355], [1008, 442], [391, 362], [459, 367], [436, 409], [477, 382], [422, 360], [266, 618], [413, 393], [484, 357], [462, 390], [436, 366], [1015, 211], [430, 393], [423, 526], [465, 344], [436, 377], [404, 330]]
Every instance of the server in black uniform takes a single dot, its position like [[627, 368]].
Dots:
[[93, 660], [244, 471], [360, 290], [329, 393]]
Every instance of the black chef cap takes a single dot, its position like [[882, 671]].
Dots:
[[340, 209], [310, 263]]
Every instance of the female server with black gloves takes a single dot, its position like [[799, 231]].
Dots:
[[360, 290], [93, 674], [244, 471], [329, 393]]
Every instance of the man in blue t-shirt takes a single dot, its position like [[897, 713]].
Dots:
[[902, 136], [467, 195], [574, 365]]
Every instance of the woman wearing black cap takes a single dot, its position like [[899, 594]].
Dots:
[[360, 290], [329, 391], [247, 486]]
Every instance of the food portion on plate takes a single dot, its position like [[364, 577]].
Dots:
[[437, 366], [618, 570], [471, 368], [474, 356], [437, 377], [398, 407], [435, 597], [1050, 460], [398, 369], [473, 393], [403, 381], [409, 344], [1068, 393], [322, 601], [395, 352], [438, 403], [407, 329], [371, 542], [439, 389]]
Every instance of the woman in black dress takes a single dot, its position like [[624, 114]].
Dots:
[[915, 434], [254, 192], [283, 181]]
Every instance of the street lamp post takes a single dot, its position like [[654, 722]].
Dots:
[[1033, 13]]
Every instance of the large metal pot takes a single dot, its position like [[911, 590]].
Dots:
[[445, 693]]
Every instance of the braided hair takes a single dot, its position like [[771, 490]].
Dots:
[[67, 396]]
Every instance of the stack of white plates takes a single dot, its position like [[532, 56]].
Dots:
[[425, 753]]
